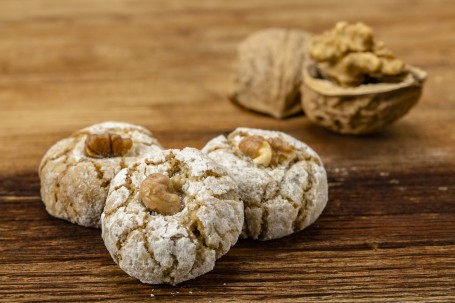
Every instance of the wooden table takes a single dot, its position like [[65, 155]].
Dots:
[[388, 232]]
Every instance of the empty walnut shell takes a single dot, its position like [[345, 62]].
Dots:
[[362, 109], [269, 71]]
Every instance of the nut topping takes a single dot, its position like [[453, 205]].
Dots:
[[282, 151], [107, 145], [258, 149], [158, 193], [271, 152]]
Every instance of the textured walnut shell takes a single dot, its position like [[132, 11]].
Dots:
[[269, 71], [363, 109]]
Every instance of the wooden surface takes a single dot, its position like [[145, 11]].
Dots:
[[388, 232]]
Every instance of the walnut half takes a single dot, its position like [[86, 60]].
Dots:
[[360, 110], [257, 148], [349, 56], [357, 86], [159, 193], [265, 152], [107, 145]]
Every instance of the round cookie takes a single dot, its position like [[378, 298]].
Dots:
[[282, 181], [76, 172], [174, 243]]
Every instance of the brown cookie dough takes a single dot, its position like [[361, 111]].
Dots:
[[169, 216], [282, 181], [76, 172]]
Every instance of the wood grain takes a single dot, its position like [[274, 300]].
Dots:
[[388, 232]]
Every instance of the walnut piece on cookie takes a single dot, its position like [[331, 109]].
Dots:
[[107, 145], [282, 194], [158, 193], [76, 172], [157, 246]]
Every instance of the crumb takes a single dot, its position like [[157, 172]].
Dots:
[[152, 295], [442, 188], [394, 181], [384, 174]]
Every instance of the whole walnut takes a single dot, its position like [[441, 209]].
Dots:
[[269, 71]]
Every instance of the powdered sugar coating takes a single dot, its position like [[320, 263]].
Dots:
[[278, 200], [170, 249], [74, 186]]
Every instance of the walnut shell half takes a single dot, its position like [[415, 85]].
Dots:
[[269, 71], [362, 109]]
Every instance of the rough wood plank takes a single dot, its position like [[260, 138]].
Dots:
[[388, 232]]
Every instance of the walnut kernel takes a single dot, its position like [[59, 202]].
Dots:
[[107, 145], [349, 56], [282, 151], [257, 148], [267, 152], [158, 193]]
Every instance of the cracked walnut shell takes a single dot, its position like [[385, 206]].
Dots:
[[362, 109], [269, 71]]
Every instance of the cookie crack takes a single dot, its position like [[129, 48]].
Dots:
[[167, 272], [100, 175], [303, 210], [124, 237], [128, 185], [64, 153], [66, 206]]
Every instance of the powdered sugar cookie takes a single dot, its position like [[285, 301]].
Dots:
[[282, 181], [76, 172], [170, 216]]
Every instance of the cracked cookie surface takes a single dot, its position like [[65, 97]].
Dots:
[[283, 186], [157, 248], [74, 185]]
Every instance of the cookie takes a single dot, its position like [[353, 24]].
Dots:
[[169, 216], [76, 172], [281, 180]]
